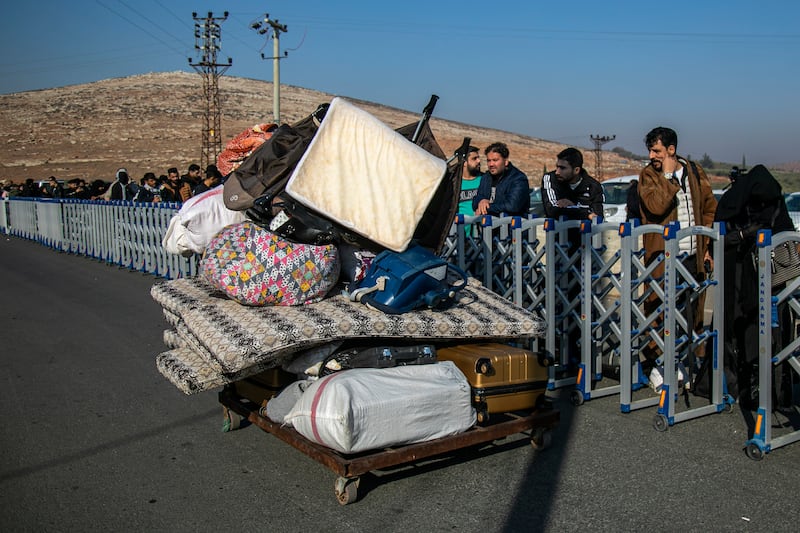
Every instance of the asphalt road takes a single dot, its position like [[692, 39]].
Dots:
[[95, 439]]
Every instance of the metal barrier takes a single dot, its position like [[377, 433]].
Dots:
[[681, 340], [121, 233], [601, 290], [769, 304], [592, 298]]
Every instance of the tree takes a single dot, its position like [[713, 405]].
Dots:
[[706, 161]]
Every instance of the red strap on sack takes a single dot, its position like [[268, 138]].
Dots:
[[315, 403]]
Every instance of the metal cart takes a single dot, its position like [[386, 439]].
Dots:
[[539, 423]]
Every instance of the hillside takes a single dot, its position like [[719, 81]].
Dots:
[[150, 122]]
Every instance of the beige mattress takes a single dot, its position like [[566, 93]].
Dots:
[[366, 176]]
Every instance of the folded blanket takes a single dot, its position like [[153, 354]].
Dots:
[[237, 341]]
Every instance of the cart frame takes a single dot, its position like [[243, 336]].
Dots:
[[350, 466]]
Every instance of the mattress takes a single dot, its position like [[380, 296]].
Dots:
[[366, 176], [215, 340]]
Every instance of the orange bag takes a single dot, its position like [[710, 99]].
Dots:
[[242, 146]]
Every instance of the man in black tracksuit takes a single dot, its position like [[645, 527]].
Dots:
[[569, 191]]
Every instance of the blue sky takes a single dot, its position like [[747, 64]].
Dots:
[[723, 74]]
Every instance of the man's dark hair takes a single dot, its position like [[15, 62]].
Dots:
[[173, 170], [499, 148], [194, 166], [667, 136], [573, 156]]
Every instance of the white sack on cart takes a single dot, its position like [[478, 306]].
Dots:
[[368, 408], [199, 219]]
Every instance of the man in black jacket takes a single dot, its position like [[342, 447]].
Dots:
[[569, 191]]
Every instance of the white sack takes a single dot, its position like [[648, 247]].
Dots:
[[199, 219], [366, 176], [369, 408]]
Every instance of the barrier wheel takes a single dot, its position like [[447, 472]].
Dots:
[[729, 402], [576, 397], [346, 490], [754, 452], [660, 423], [541, 438]]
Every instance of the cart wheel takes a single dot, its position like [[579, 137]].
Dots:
[[754, 452], [346, 490], [543, 402], [541, 439], [660, 423], [230, 420], [576, 397]]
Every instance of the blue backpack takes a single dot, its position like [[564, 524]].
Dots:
[[398, 282]]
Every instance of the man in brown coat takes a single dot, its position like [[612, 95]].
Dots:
[[673, 189]]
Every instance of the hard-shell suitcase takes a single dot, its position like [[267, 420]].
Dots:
[[503, 378]]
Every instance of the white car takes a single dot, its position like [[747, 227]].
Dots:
[[792, 200], [615, 198]]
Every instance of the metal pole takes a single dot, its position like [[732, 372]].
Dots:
[[276, 77]]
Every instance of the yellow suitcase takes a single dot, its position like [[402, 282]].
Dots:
[[503, 378]]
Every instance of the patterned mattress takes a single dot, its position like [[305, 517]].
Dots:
[[214, 340]]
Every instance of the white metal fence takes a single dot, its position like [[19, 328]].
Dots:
[[121, 233]]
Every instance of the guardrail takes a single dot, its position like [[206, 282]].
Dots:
[[121, 233]]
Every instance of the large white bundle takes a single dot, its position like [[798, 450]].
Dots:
[[366, 176], [368, 408], [199, 219]]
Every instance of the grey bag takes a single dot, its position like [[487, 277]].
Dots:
[[279, 406]]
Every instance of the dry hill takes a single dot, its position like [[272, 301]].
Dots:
[[154, 121]]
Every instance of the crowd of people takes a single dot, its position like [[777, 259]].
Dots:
[[169, 187]]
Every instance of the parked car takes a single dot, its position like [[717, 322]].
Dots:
[[792, 200], [536, 209], [615, 198]]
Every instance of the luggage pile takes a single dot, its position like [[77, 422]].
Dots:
[[328, 306]]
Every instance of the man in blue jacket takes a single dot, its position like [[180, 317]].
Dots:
[[504, 188]]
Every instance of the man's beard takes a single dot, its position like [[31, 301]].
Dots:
[[474, 171], [657, 164]]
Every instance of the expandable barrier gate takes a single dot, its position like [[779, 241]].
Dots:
[[769, 305], [592, 298], [127, 234]]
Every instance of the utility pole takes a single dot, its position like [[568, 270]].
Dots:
[[277, 28], [598, 153], [207, 39]]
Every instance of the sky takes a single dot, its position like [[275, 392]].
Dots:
[[724, 74]]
